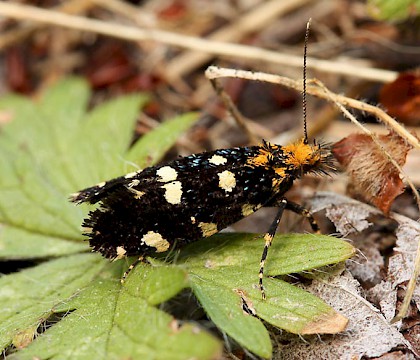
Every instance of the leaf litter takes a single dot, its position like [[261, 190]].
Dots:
[[382, 280]]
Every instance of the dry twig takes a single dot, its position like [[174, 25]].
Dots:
[[22, 12]]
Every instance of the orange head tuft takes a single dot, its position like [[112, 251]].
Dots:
[[304, 157]]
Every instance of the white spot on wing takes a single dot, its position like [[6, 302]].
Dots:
[[227, 180], [167, 174], [101, 184], [217, 160], [155, 240], [173, 192]]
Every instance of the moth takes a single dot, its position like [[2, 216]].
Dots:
[[165, 206], [148, 211]]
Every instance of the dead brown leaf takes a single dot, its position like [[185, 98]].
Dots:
[[373, 177]]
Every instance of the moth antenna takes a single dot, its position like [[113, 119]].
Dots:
[[305, 47]]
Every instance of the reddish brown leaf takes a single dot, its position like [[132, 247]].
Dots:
[[402, 98], [373, 177]]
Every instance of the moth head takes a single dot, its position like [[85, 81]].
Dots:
[[301, 157]]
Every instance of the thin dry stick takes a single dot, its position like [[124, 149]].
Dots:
[[81, 23], [411, 286], [255, 19], [213, 72], [231, 107], [17, 34]]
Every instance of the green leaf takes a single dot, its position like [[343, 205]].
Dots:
[[98, 143], [393, 10], [145, 152], [27, 298], [17, 244], [224, 307], [122, 322], [224, 276], [49, 149]]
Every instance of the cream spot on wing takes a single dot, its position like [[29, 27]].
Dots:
[[227, 180], [208, 229], [193, 220], [137, 193], [101, 184], [248, 209], [217, 160], [130, 175], [87, 230], [120, 252], [167, 174], [155, 240], [134, 182], [173, 192], [74, 196]]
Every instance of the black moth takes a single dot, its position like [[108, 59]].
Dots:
[[148, 211]]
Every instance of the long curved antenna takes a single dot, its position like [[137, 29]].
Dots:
[[305, 130]]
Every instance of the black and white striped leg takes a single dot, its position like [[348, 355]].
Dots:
[[131, 267], [268, 237]]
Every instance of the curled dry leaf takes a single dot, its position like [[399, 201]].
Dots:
[[401, 98], [373, 177]]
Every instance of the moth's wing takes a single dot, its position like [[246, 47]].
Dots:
[[98, 192], [183, 201]]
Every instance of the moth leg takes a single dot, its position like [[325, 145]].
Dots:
[[297, 209], [300, 210], [268, 237], [131, 267]]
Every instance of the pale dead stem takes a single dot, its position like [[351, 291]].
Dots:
[[250, 22], [219, 48], [16, 34], [411, 286], [214, 72], [318, 89]]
